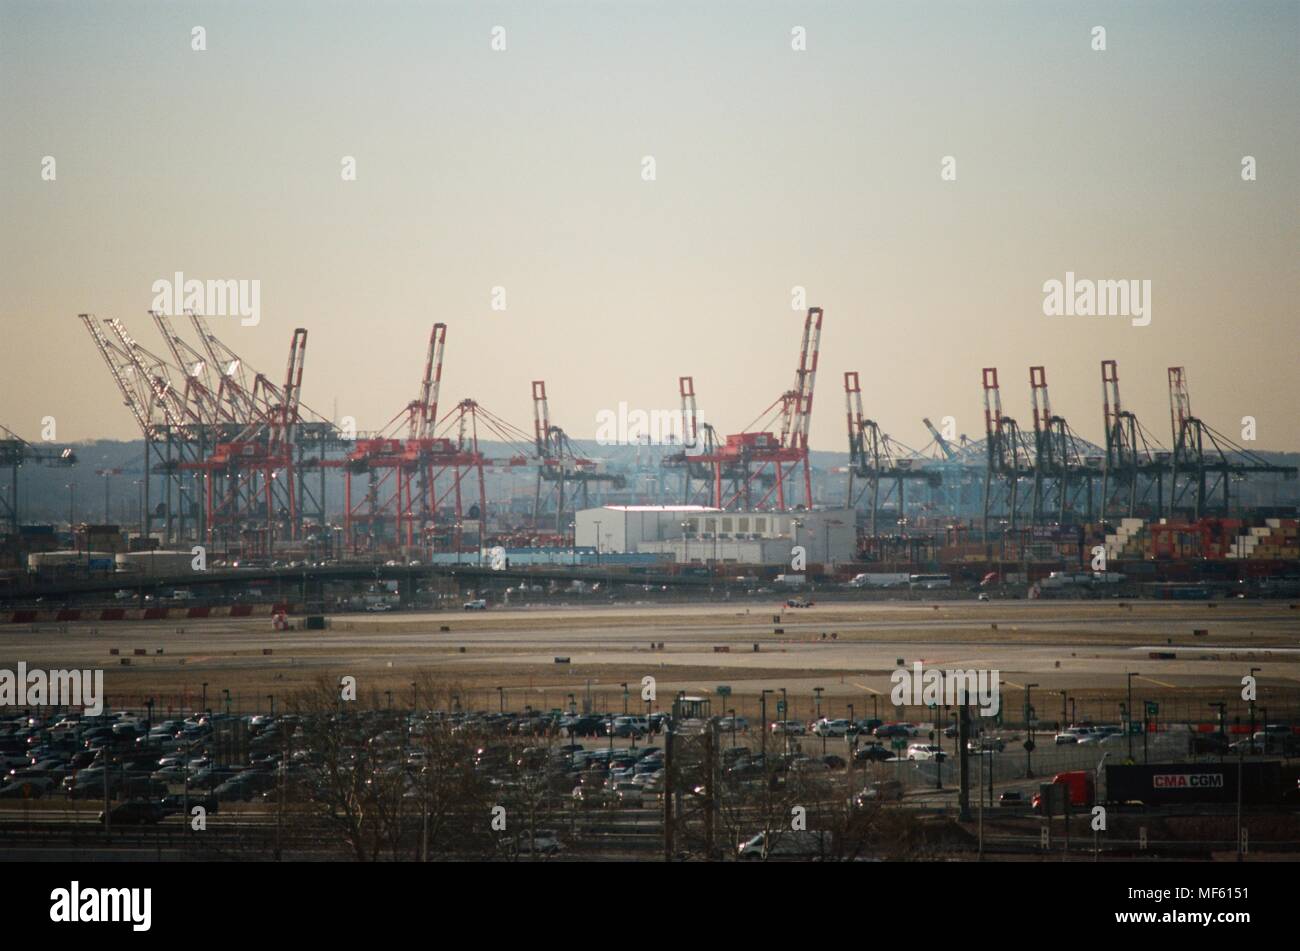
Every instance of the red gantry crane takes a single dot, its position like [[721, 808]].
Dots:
[[416, 483], [749, 456]]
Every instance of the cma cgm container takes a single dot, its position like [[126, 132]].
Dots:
[[1177, 783]]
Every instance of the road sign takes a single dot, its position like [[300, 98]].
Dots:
[[898, 743], [724, 690], [1152, 708], [780, 707]]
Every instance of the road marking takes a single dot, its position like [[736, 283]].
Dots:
[[1158, 683]]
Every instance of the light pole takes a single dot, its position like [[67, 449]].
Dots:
[[1254, 691], [597, 523], [205, 695], [817, 697], [686, 543], [1029, 733], [1128, 713], [785, 713], [1222, 744], [762, 702], [72, 504]]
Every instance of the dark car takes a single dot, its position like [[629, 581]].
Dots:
[[872, 754], [1012, 798], [175, 803], [864, 726], [892, 729], [135, 812], [1210, 743]]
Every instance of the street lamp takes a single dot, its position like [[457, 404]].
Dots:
[[597, 523], [785, 723], [1254, 691], [1029, 733], [762, 702], [1128, 713]]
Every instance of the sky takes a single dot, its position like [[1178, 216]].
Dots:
[[523, 168]]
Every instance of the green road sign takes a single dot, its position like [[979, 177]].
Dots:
[[724, 690], [780, 707], [898, 743], [1152, 708]]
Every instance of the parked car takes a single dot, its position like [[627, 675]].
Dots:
[[826, 727], [925, 751], [889, 790], [872, 754], [791, 844], [134, 812], [540, 842]]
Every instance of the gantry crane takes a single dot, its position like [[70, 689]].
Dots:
[[16, 452], [1065, 465], [1135, 464], [1008, 458], [1205, 461], [561, 462], [872, 458], [753, 452]]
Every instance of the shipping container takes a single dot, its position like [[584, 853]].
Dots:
[[1179, 783]]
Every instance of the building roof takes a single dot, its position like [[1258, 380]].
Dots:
[[660, 508]]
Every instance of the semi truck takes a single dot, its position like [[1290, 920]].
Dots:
[[1081, 786], [880, 580]]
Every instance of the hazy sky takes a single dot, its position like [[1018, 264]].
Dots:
[[523, 169]]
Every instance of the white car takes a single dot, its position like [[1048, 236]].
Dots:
[[825, 727], [924, 751], [1073, 734], [790, 727], [478, 604], [542, 842]]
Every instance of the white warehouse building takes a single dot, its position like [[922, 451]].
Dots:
[[694, 533], [623, 528]]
